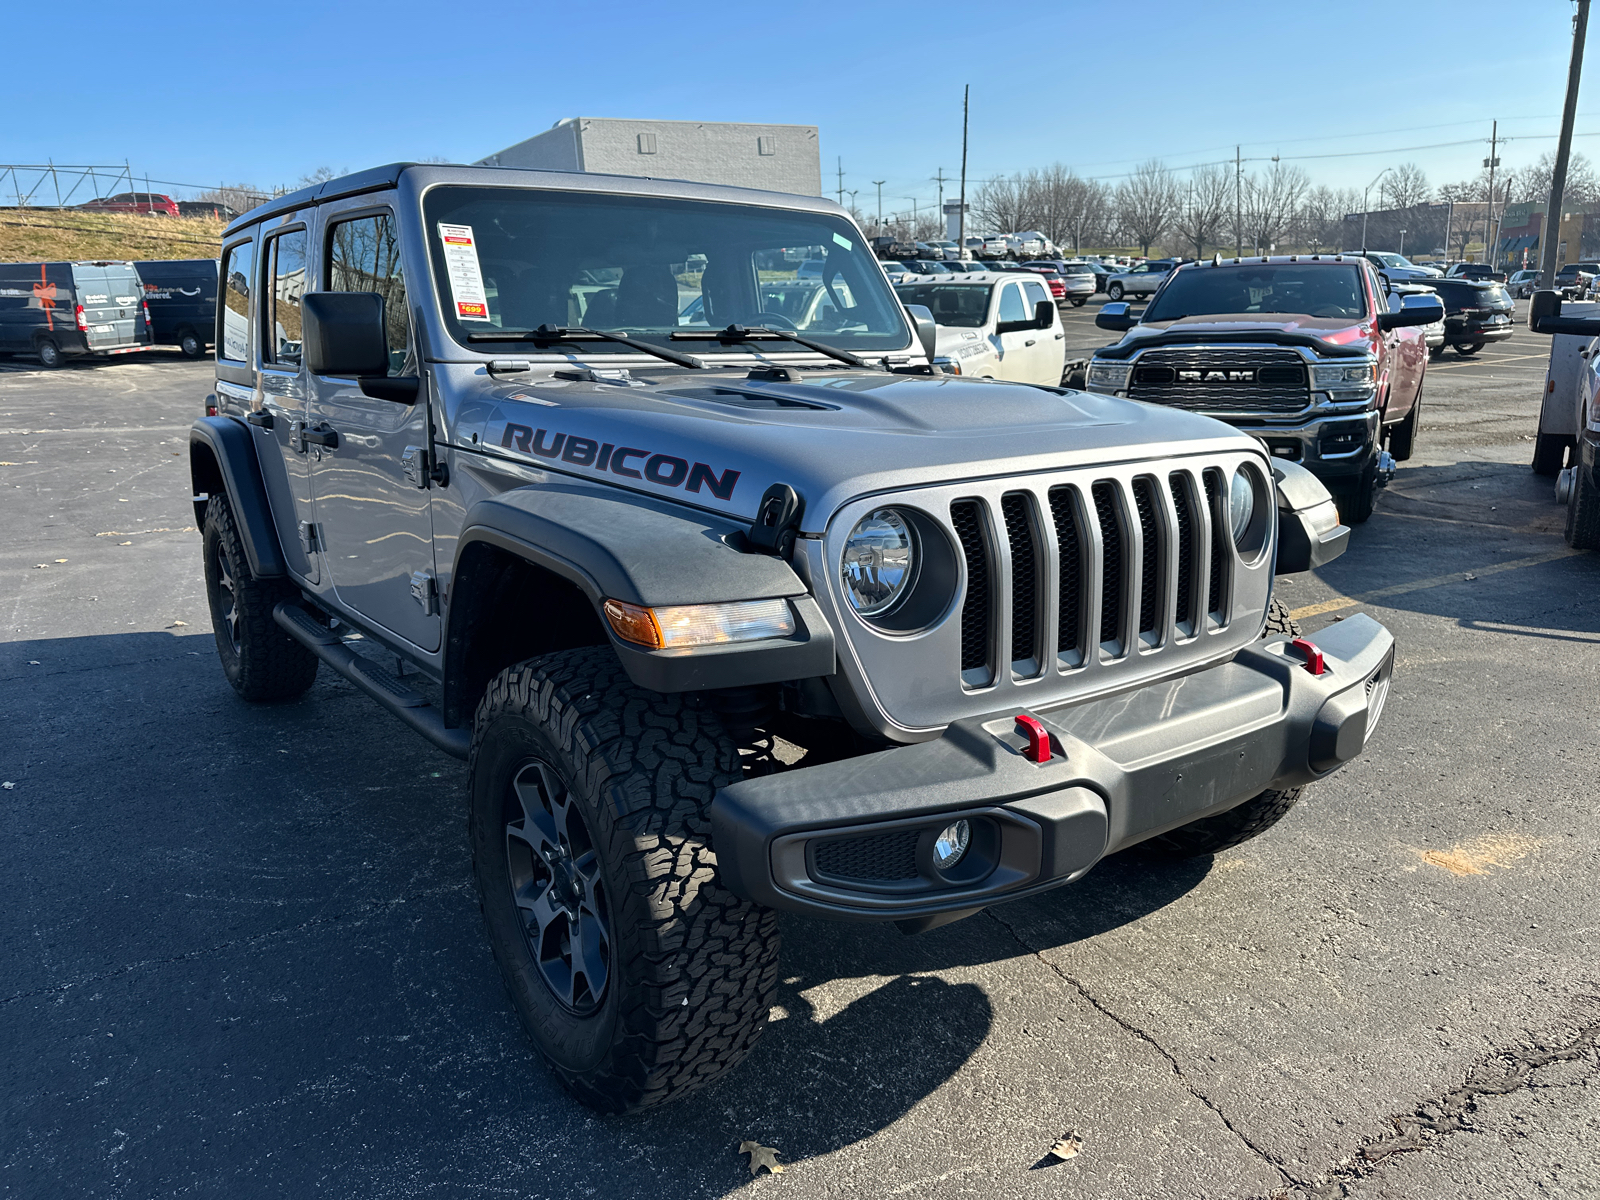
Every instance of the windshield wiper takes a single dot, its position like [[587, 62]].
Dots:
[[548, 334], [755, 333]]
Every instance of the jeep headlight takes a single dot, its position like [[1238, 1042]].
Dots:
[[1343, 378], [879, 562], [1241, 506], [1113, 377]]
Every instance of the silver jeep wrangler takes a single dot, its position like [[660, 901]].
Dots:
[[731, 603]]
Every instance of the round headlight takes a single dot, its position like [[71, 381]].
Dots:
[[1241, 505], [880, 558]]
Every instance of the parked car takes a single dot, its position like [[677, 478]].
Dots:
[[1522, 284], [1433, 333], [181, 295], [804, 303], [62, 310], [207, 208], [1310, 371], [1474, 270], [620, 575], [1575, 280], [1141, 280], [950, 250], [1476, 312], [927, 266], [1568, 430], [1079, 282], [997, 264], [152, 204], [995, 246], [1397, 266], [994, 326], [1101, 272], [1024, 245]]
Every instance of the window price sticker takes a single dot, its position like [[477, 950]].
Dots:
[[461, 265]]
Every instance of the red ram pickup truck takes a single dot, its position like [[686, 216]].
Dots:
[[1300, 350]]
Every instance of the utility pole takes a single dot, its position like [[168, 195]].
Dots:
[[961, 217], [939, 179], [841, 180], [1488, 217], [1364, 205], [1238, 203], [1558, 177], [878, 183], [913, 200]]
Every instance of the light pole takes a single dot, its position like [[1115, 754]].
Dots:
[[1402, 243], [878, 183], [913, 200], [1364, 192]]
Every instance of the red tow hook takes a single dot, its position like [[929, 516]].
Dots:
[[1038, 750], [1313, 662]]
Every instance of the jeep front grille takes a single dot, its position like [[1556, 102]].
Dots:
[[1131, 555], [1222, 379], [1062, 585]]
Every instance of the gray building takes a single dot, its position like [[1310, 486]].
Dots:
[[778, 158]]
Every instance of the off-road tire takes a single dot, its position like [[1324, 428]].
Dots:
[[1583, 510], [1212, 835], [1080, 303], [50, 356], [1549, 454], [692, 968], [192, 344], [260, 660], [1403, 436], [1114, 291]]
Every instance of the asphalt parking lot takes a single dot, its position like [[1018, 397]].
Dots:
[[241, 951]]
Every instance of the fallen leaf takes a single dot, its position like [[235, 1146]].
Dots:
[[41, 566], [61, 560], [1068, 1147], [178, 625], [761, 1156], [124, 543], [8, 785], [33, 662], [120, 501]]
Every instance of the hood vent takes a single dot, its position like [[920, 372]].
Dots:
[[762, 399]]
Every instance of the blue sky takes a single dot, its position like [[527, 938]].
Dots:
[[265, 93]]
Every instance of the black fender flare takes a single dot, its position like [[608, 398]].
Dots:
[[619, 545], [222, 458], [1309, 531]]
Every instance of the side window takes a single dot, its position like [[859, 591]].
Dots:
[[1011, 306], [238, 268], [364, 256], [288, 277], [1036, 293]]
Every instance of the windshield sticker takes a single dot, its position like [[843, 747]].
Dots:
[[461, 265], [840, 240]]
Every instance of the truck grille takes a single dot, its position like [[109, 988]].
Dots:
[[1129, 559], [1230, 379]]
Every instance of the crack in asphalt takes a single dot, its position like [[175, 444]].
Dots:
[[1500, 1074], [1177, 1070]]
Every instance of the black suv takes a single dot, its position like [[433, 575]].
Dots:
[[1475, 313]]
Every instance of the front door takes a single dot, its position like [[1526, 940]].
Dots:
[[1015, 353], [373, 521]]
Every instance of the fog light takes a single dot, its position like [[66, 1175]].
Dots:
[[951, 845]]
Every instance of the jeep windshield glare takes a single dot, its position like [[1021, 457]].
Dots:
[[1308, 289], [516, 259]]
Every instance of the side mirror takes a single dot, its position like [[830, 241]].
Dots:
[[927, 332], [343, 333], [1044, 314], [1414, 310], [1544, 316], [1117, 317]]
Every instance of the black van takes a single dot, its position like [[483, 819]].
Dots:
[[59, 310], [182, 297]]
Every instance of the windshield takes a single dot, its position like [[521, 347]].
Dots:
[[1391, 260], [1304, 289], [517, 258], [961, 305]]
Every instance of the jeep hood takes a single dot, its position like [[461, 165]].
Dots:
[[717, 439]]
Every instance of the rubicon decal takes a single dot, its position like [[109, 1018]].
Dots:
[[630, 462]]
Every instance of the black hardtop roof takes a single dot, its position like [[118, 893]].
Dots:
[[1281, 260]]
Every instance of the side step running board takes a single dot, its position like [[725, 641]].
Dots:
[[411, 707]]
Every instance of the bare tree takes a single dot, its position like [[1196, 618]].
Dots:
[[1533, 183], [1270, 202], [1000, 205], [1147, 201], [1203, 203], [240, 197], [1406, 187]]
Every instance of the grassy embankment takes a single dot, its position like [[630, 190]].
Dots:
[[48, 235]]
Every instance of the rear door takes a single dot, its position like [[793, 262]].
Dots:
[[281, 447], [1016, 358], [127, 297], [109, 299], [1047, 348]]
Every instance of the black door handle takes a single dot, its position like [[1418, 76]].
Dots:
[[322, 435], [261, 419]]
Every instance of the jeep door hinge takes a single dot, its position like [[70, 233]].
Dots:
[[310, 538], [425, 591]]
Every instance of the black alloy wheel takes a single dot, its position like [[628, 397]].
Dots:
[[225, 597], [554, 872]]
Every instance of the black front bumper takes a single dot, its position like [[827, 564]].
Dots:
[[853, 839]]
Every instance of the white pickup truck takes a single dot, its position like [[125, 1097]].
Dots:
[[993, 325]]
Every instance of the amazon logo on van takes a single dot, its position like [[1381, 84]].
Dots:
[[630, 462]]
